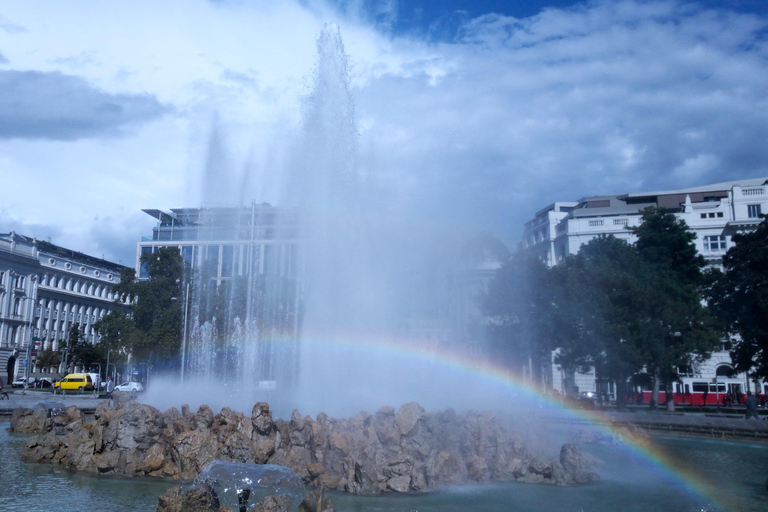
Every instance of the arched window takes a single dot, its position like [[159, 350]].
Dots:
[[725, 370]]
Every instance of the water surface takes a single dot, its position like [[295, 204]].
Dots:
[[733, 472]]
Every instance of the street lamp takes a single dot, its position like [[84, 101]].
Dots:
[[28, 357], [184, 335]]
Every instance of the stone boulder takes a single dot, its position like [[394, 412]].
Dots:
[[31, 421], [390, 451]]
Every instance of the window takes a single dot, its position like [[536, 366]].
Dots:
[[144, 268], [714, 243], [754, 211], [700, 387], [718, 388], [186, 255], [227, 256]]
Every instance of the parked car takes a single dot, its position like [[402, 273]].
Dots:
[[44, 382], [130, 387], [79, 381], [19, 382]]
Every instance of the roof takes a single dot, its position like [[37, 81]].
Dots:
[[52, 249], [726, 185]]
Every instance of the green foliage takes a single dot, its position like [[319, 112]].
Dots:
[[667, 243], [685, 332], [48, 358], [616, 308], [522, 315], [606, 286], [152, 330], [739, 296], [80, 351]]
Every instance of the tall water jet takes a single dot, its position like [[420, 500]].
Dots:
[[308, 309]]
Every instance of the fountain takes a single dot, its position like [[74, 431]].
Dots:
[[323, 337], [319, 326]]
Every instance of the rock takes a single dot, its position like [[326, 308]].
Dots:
[[408, 416], [68, 416], [171, 500], [204, 418], [574, 466], [317, 501], [446, 468], [407, 450], [273, 503], [192, 451], [364, 480], [30, 421], [386, 428], [154, 459], [477, 469], [261, 418], [121, 398], [399, 483]]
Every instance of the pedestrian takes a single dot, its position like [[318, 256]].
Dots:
[[751, 403], [110, 385]]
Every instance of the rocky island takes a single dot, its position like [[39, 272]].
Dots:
[[391, 450]]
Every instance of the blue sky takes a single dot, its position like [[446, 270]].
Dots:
[[471, 115], [442, 20]]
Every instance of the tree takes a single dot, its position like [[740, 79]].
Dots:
[[604, 291], [682, 331], [48, 358], [739, 296], [666, 242], [152, 330], [80, 352], [522, 322]]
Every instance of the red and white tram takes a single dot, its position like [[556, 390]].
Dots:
[[698, 391]]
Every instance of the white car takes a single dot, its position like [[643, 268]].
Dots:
[[19, 382], [130, 387]]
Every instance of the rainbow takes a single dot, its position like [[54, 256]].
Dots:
[[461, 364], [359, 350]]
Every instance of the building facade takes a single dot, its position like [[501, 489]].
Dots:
[[230, 241], [44, 290], [713, 212]]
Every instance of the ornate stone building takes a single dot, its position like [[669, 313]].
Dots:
[[44, 290]]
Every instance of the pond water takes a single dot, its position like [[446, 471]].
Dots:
[[730, 477]]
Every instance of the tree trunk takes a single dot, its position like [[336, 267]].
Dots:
[[655, 393], [670, 396], [621, 393]]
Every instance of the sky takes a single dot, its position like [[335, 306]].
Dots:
[[471, 115]]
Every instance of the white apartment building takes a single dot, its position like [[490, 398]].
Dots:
[[714, 212], [44, 290]]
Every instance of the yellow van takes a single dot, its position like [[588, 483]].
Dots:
[[78, 381]]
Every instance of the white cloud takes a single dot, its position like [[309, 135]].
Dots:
[[605, 97]]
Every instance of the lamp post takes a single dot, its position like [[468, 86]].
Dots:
[[717, 394], [114, 372], [31, 340], [184, 335]]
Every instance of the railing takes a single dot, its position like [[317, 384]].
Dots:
[[595, 223], [753, 191]]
